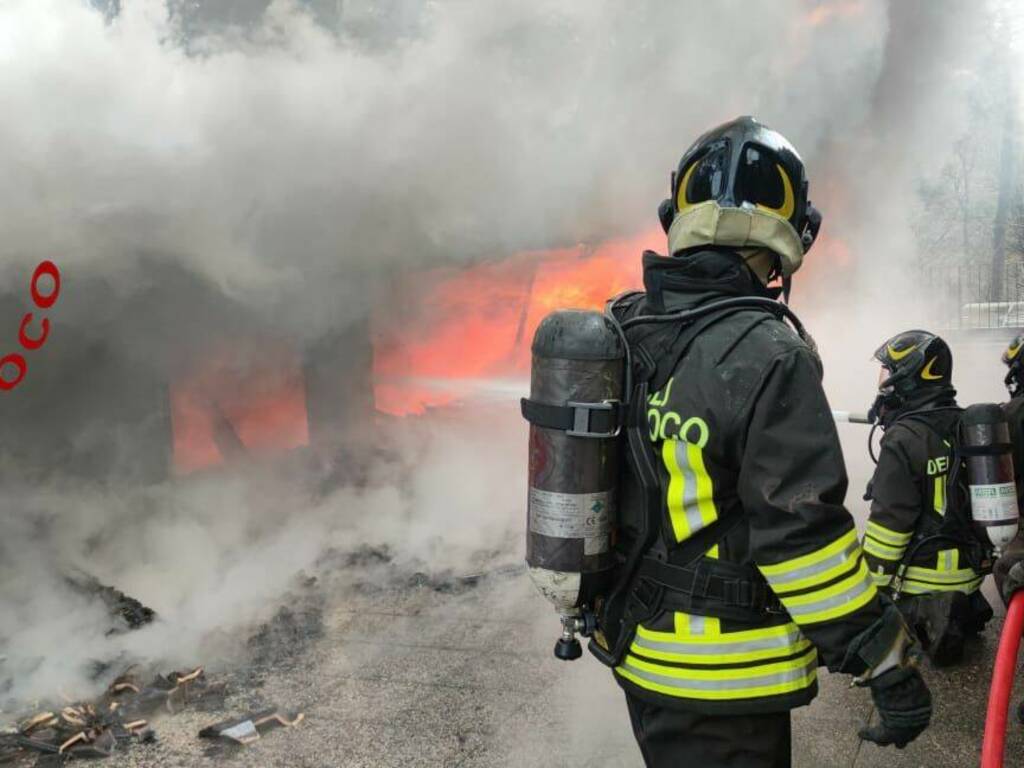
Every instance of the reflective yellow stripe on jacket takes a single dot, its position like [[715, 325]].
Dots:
[[699, 661], [691, 493], [825, 584], [885, 543], [947, 576], [739, 683]]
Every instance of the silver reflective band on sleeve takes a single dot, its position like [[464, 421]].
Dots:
[[885, 535], [833, 601], [782, 579], [883, 551]]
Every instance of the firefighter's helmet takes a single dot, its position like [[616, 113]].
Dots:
[[741, 185], [915, 360], [1014, 360]]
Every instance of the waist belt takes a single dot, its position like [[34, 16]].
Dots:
[[706, 587]]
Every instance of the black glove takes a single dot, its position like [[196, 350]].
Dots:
[[904, 706], [1009, 569]]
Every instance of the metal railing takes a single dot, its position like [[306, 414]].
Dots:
[[965, 297]]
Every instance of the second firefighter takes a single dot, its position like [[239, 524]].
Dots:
[[919, 541]]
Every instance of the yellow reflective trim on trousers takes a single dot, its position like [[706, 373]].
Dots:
[[882, 551], [723, 684], [690, 494], [834, 601], [887, 535], [779, 573]]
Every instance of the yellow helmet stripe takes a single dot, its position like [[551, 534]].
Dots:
[[899, 354], [788, 200], [681, 202], [1012, 351], [927, 374]]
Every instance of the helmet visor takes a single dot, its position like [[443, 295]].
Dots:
[[706, 178], [756, 178], [762, 181]]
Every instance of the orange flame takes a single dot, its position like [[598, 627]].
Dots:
[[453, 326], [480, 322], [227, 406]]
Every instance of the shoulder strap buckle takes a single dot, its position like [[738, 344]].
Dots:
[[591, 420], [586, 424]]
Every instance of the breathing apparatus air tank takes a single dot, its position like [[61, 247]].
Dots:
[[576, 387], [985, 445]]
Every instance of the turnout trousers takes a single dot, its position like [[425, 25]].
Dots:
[[670, 738]]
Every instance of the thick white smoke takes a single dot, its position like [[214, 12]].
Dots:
[[271, 179]]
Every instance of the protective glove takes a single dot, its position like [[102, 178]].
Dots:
[[1009, 569], [904, 706]]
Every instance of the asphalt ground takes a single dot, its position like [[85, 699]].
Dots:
[[433, 677]]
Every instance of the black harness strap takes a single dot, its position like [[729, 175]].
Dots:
[[737, 587], [995, 449], [576, 419]]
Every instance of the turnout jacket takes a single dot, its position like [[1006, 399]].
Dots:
[[740, 427], [908, 496]]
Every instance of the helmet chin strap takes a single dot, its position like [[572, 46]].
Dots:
[[768, 273]]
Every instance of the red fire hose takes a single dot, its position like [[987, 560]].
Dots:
[[1002, 684]]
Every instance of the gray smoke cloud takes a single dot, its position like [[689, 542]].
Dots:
[[266, 175]]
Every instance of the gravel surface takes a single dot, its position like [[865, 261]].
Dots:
[[438, 671]]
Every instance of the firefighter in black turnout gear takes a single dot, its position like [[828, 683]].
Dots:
[[1009, 568], [1013, 359], [740, 570], [919, 542]]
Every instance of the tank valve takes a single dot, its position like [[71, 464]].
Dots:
[[568, 647]]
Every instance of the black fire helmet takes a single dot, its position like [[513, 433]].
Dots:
[[744, 163], [915, 360]]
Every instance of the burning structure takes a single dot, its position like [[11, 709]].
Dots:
[[253, 396], [293, 232]]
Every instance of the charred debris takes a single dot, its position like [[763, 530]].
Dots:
[[122, 716]]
